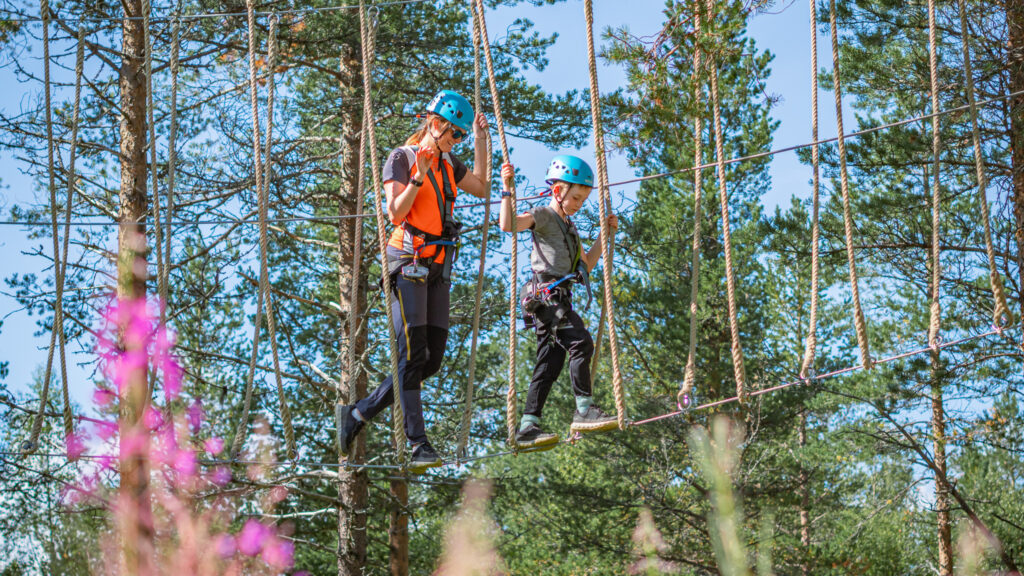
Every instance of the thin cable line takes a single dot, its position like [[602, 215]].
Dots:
[[202, 15], [571, 439], [736, 160]]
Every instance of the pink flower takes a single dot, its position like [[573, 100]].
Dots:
[[278, 493], [195, 415], [226, 545], [103, 397], [172, 378], [105, 430], [252, 537], [214, 445], [279, 553], [153, 419], [74, 445], [220, 475], [185, 462]]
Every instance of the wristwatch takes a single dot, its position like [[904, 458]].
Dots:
[[416, 182], [506, 194]]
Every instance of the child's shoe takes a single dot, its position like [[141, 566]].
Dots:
[[424, 456], [593, 420], [348, 427], [533, 437]]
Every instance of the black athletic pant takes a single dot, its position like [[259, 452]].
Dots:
[[420, 313], [570, 338]]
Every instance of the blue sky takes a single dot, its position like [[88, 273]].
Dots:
[[785, 33]]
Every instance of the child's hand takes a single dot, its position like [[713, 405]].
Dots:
[[480, 126], [613, 222], [424, 157], [508, 175]]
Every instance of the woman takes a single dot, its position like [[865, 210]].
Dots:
[[421, 180]]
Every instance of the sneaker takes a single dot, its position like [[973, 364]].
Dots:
[[348, 427], [533, 437], [593, 420], [424, 456]]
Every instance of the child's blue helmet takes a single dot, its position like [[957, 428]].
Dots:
[[454, 108], [570, 169]]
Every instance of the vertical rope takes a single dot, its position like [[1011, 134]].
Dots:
[[467, 409], [1001, 312], [57, 333], [690, 375], [739, 372], [354, 322], [243, 426], [936, 310], [513, 283], [807, 366], [282, 399], [859, 323], [161, 265], [397, 413], [172, 160], [604, 209]]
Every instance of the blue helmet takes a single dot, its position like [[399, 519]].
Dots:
[[570, 169], [454, 108]]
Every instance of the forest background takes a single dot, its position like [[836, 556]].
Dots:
[[846, 473]]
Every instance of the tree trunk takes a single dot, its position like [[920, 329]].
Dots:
[[353, 490], [939, 454], [805, 499], [1015, 63], [136, 512], [398, 534]]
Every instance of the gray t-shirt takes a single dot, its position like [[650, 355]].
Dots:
[[556, 243], [397, 167]]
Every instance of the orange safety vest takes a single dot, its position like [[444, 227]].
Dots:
[[433, 206]]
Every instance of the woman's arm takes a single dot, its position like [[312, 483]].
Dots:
[[401, 197], [477, 182], [522, 221]]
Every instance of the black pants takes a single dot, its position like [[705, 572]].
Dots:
[[420, 314], [572, 339]]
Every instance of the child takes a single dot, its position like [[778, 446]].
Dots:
[[557, 260]]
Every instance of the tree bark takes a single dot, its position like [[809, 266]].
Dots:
[[398, 534], [942, 512], [353, 490], [805, 499], [1015, 64], [136, 510]]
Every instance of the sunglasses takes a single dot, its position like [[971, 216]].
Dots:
[[457, 133]]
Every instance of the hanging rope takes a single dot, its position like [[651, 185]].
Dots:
[[807, 366], [355, 278], [739, 372], [282, 399], [397, 413], [172, 161], [936, 310], [59, 265], [161, 266], [690, 375], [467, 410], [261, 180], [860, 325], [604, 212], [1001, 312], [511, 412]]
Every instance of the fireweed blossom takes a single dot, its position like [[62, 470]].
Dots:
[[195, 528]]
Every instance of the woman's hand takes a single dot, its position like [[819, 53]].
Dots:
[[508, 176], [613, 222], [424, 157], [480, 127]]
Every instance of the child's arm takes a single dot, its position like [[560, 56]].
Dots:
[[594, 254], [523, 221], [476, 182]]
